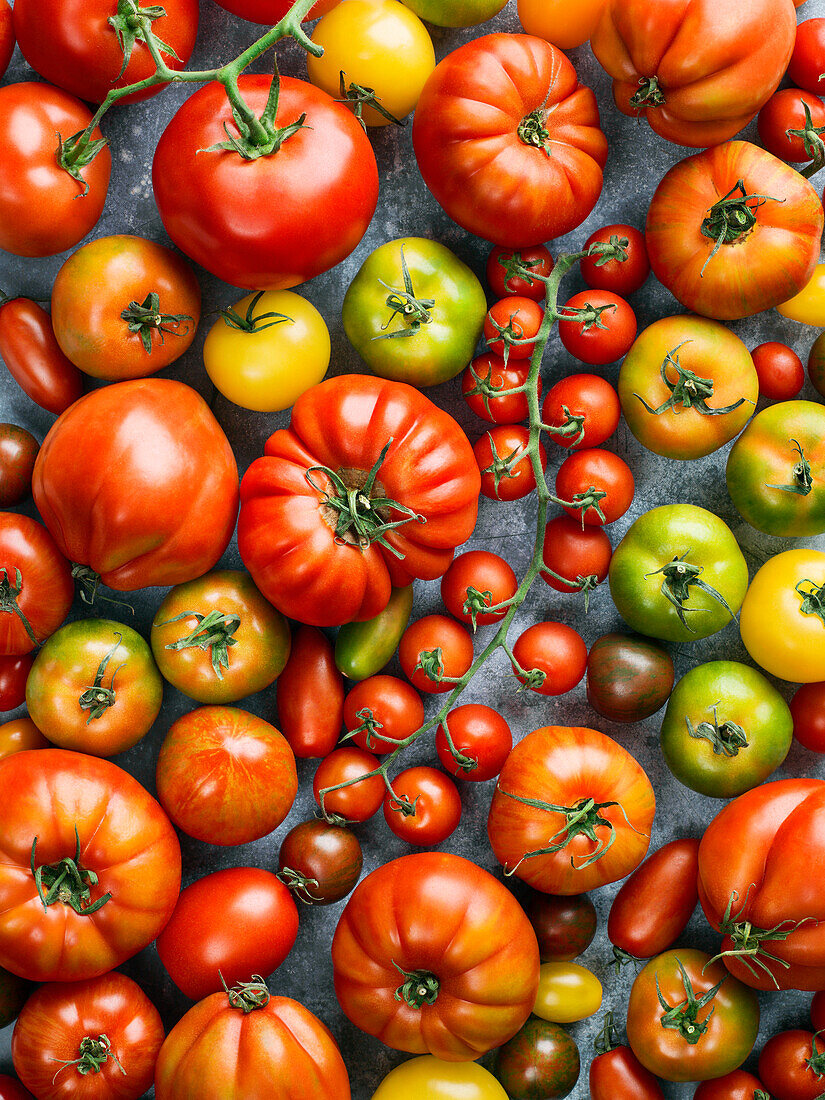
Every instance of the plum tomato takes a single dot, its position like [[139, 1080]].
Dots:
[[779, 370]]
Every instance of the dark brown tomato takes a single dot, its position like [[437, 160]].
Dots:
[[816, 364], [628, 677], [564, 926], [311, 695], [540, 1062], [320, 862], [18, 450], [14, 993]]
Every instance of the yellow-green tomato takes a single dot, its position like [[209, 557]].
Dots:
[[808, 306], [381, 47], [567, 992], [428, 1078], [267, 349], [456, 13]]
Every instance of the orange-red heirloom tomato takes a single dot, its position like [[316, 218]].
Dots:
[[434, 955], [87, 814], [315, 549], [168, 514], [570, 770], [698, 70], [249, 1046], [733, 230], [92, 1040], [37, 587]]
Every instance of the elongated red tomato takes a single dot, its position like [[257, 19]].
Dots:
[[36, 587], [32, 354], [311, 695]]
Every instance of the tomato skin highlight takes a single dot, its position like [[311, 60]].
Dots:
[[32, 354]]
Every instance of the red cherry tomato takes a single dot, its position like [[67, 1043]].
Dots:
[[479, 734], [14, 671], [384, 710], [484, 376], [784, 111], [617, 276], [505, 476], [434, 647], [779, 370], [592, 411], [792, 1065], [500, 266], [32, 354], [597, 485], [739, 1085], [807, 65], [311, 695], [437, 806], [18, 451], [360, 800], [555, 650], [510, 321], [580, 557], [607, 331], [475, 580], [808, 713]]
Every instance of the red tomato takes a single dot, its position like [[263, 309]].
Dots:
[[818, 1010], [6, 36], [792, 1065], [88, 814], [426, 806], [36, 586], [808, 712], [240, 921], [14, 672], [502, 278], [617, 276], [586, 406], [616, 1071], [779, 370], [509, 322], [320, 862], [480, 736], [169, 514], [362, 797], [72, 44], [434, 652], [807, 65], [19, 734], [18, 450], [475, 580], [11, 1089], [784, 111], [739, 1085], [270, 11], [595, 485], [383, 710], [505, 475], [277, 220], [606, 330], [536, 173], [33, 356], [579, 557], [484, 376], [552, 658], [311, 695], [104, 1034], [43, 209]]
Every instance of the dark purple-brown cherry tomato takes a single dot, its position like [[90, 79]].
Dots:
[[541, 1060], [816, 361], [564, 926], [320, 862], [482, 739], [628, 677], [32, 354], [808, 713], [18, 450], [779, 370], [311, 695]]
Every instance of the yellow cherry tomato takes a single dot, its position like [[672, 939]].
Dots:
[[380, 46], [275, 347], [567, 992], [565, 23], [429, 1078], [782, 619], [808, 306]]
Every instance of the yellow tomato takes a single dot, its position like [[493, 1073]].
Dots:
[[782, 620], [379, 45], [808, 306], [429, 1078], [565, 23], [567, 992], [276, 346]]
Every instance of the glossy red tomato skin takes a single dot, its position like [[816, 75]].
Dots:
[[18, 450], [620, 1073], [437, 806], [32, 354], [59, 1015], [11, 1089], [484, 571], [739, 1085], [311, 201], [603, 471], [357, 802], [426, 635], [46, 590], [784, 111], [586, 395], [783, 1066], [537, 258], [779, 370], [71, 44], [479, 732], [14, 671], [169, 516], [818, 1010], [240, 921], [270, 11], [493, 184], [43, 210], [385, 700], [605, 342], [6, 35], [808, 712], [521, 316], [807, 62], [507, 439], [555, 649], [510, 409], [654, 905], [125, 837], [311, 695], [617, 276], [573, 552]]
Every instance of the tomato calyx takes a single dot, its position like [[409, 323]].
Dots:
[[612, 250], [503, 466], [413, 311], [648, 94], [508, 334], [588, 315], [582, 502], [816, 1063], [477, 603], [813, 602], [727, 737], [812, 142], [419, 988], [802, 482], [257, 137], [608, 1037], [300, 884], [460, 759], [130, 24], [8, 600], [92, 1056], [485, 388], [431, 663], [214, 632], [532, 131], [679, 575], [689, 391], [357, 96], [97, 699], [731, 218], [573, 424], [250, 322], [747, 940], [370, 726], [68, 882], [684, 1016], [145, 318], [247, 996], [76, 153], [516, 267]]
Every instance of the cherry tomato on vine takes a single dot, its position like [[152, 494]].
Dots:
[[739, 1085], [506, 470], [617, 276], [383, 710], [435, 647], [18, 450], [785, 111], [19, 734], [808, 713], [488, 373], [510, 321], [14, 672], [807, 64], [361, 799], [540, 1056], [502, 278], [792, 1065], [580, 557], [564, 926], [320, 862], [556, 652], [779, 370], [595, 486], [479, 734], [33, 356], [436, 802], [475, 580], [606, 331], [592, 411]]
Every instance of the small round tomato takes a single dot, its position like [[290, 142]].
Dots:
[[377, 54], [595, 486], [320, 862], [503, 278], [382, 710], [807, 65], [510, 325], [617, 276], [124, 307], [628, 677], [36, 585], [434, 652], [430, 1078], [94, 687], [266, 349], [551, 658], [567, 992], [362, 797], [779, 370], [14, 672], [816, 364], [792, 1065], [564, 926], [808, 713], [784, 112], [564, 23], [604, 330], [739, 1085], [481, 738], [485, 377], [226, 926], [585, 407], [217, 639], [575, 559], [476, 580], [18, 450], [20, 734], [311, 695], [540, 1056], [424, 806], [506, 470], [225, 776]]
